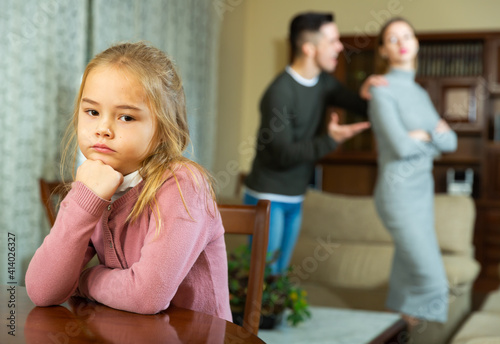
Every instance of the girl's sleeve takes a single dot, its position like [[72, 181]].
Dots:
[[445, 141], [149, 284], [386, 122], [54, 270]]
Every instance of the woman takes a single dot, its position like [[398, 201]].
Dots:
[[409, 134]]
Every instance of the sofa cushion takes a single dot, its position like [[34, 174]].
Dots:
[[492, 303], [354, 218], [481, 327], [344, 218], [455, 217], [484, 340], [362, 265], [460, 269], [348, 265]]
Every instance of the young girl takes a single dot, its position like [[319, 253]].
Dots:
[[147, 212], [409, 134]]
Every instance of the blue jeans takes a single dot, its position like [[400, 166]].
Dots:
[[284, 228]]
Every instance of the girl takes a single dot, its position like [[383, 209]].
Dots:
[[147, 212], [409, 134]]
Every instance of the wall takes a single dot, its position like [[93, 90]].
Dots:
[[230, 95], [253, 50]]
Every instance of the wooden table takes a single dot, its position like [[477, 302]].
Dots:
[[83, 321]]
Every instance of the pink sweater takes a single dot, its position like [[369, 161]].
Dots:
[[185, 265]]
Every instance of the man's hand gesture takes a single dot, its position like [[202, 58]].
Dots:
[[340, 133]]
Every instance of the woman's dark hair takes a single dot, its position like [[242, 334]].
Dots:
[[306, 23]]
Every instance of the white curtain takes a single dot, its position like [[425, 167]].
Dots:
[[45, 46], [43, 55], [188, 31]]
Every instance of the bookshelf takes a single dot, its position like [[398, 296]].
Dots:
[[461, 73], [450, 59]]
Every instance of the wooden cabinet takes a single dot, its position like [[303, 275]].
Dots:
[[487, 243], [461, 73], [493, 63], [491, 189]]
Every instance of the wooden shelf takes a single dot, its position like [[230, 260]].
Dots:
[[466, 131], [356, 157], [493, 145], [458, 161], [350, 157]]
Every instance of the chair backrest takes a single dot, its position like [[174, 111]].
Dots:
[[47, 190], [251, 220]]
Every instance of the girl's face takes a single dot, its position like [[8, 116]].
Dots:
[[400, 45], [115, 124]]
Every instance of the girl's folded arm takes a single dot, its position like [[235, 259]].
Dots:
[[53, 272], [444, 141], [149, 285], [386, 122]]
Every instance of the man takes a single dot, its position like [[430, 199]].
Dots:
[[292, 111]]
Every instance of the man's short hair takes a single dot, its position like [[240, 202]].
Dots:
[[306, 23]]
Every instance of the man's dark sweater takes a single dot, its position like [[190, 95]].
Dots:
[[288, 143]]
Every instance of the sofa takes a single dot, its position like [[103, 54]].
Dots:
[[343, 257], [483, 326]]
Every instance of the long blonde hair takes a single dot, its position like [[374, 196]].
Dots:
[[166, 100]]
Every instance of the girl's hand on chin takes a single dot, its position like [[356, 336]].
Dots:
[[102, 179]]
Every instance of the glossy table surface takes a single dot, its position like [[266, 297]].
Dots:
[[83, 321]]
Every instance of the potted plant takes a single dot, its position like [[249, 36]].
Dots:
[[278, 292]]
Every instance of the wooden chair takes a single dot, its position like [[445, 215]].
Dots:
[[251, 220], [47, 191]]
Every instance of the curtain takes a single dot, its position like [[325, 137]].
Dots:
[[46, 45], [188, 31], [43, 56]]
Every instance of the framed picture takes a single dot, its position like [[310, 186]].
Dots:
[[459, 105], [462, 103]]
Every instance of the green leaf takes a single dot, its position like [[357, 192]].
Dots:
[[278, 291]]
